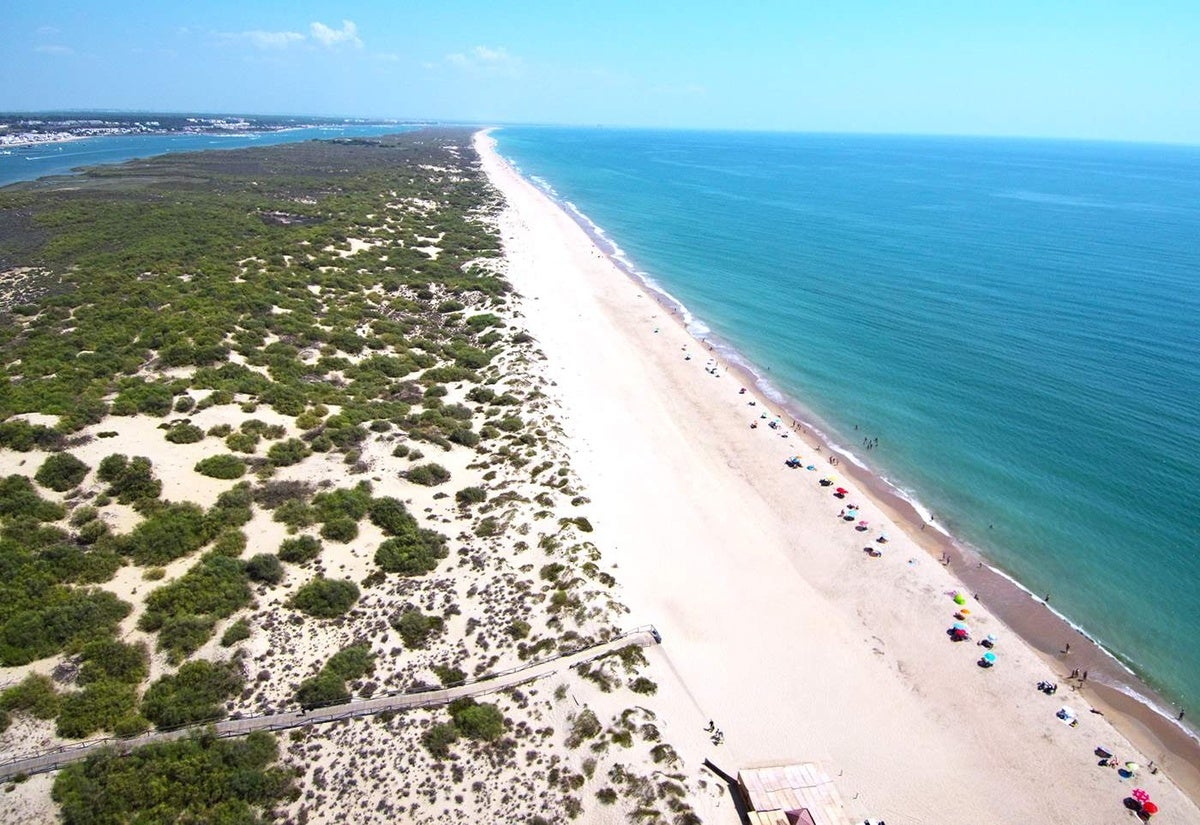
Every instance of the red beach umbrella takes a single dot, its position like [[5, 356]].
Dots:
[[841, 491], [1150, 808]]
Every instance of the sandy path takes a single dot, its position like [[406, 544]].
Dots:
[[796, 642]]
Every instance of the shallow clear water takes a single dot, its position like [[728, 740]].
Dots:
[[1015, 320], [30, 162]]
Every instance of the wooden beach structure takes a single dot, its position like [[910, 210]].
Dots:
[[799, 794]]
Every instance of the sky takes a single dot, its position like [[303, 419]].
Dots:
[[1050, 68]]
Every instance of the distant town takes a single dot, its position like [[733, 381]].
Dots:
[[24, 129]]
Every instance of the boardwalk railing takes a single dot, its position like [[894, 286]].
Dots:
[[224, 727]]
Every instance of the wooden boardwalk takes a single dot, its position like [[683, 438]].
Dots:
[[284, 720]]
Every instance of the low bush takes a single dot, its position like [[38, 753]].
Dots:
[[341, 529], [300, 549], [438, 739], [236, 632], [110, 659], [224, 466], [18, 498], [415, 628], [287, 453], [199, 779], [477, 720], [174, 531], [325, 598], [322, 690], [412, 555], [61, 472], [35, 695], [184, 434], [100, 706], [470, 495], [428, 475], [129, 480], [61, 617], [194, 694], [265, 567]]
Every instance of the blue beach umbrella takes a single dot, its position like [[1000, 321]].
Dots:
[[960, 626], [990, 658]]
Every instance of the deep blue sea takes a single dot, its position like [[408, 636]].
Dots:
[[1017, 321], [30, 162]]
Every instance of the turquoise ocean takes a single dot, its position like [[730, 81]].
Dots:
[[1016, 321]]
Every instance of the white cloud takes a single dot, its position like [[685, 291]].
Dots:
[[485, 59], [264, 39], [329, 37], [56, 50]]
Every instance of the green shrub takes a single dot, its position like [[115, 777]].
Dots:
[[477, 720], [61, 472], [242, 442], [199, 779], [510, 424], [174, 531], [129, 480], [194, 694], [230, 543], [99, 706], [236, 632], [325, 598], [341, 529], [265, 567], [415, 628], [644, 686], [224, 466], [300, 549], [295, 514], [465, 436], [21, 436], [233, 507], [61, 617], [470, 495], [181, 636], [352, 503], [19, 498], [391, 516], [428, 475], [287, 453], [322, 690], [109, 659], [185, 611], [438, 739], [413, 554], [184, 433], [352, 662], [35, 695]]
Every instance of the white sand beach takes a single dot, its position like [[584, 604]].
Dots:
[[777, 624]]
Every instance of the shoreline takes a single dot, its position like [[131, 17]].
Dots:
[[1168, 744]]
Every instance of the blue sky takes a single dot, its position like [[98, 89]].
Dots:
[[1126, 71]]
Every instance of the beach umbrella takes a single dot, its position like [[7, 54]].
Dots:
[[862, 524], [1140, 795], [841, 491], [959, 598], [1131, 766], [991, 639], [990, 658], [960, 626], [1150, 808]]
